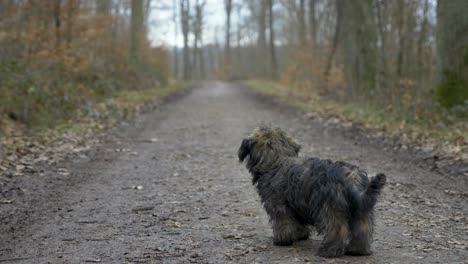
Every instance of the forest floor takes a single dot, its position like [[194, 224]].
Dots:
[[166, 187]]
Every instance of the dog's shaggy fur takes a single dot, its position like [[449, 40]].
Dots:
[[336, 198]]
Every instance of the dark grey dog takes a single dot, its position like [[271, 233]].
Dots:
[[336, 198]]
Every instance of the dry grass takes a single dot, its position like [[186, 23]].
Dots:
[[450, 139], [18, 140]]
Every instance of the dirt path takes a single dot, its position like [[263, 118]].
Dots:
[[167, 188]]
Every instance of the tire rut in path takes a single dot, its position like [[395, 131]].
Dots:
[[171, 190]]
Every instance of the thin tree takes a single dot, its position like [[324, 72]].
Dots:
[[57, 22], [198, 59], [261, 41], [359, 41], [273, 60], [136, 33], [381, 20], [103, 7], [336, 36], [185, 20], [175, 70], [238, 41], [422, 38], [72, 8], [312, 23], [302, 24], [228, 9]]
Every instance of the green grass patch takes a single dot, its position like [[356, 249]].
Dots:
[[130, 99]]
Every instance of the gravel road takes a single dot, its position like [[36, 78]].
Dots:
[[166, 187]]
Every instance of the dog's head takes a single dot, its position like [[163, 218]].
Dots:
[[267, 144]]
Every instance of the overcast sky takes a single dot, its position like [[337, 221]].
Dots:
[[162, 31]]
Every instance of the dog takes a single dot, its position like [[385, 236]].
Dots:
[[334, 197]]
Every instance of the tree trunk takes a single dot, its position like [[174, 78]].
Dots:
[[452, 48], [262, 46], [401, 37], [146, 14], [71, 9], [381, 17], [273, 60], [239, 72], [103, 7], [184, 17], [312, 23], [359, 42], [336, 36], [175, 69], [136, 34], [302, 23], [422, 34], [57, 22], [198, 61], [228, 8]]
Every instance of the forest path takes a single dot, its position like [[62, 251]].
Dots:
[[167, 188]]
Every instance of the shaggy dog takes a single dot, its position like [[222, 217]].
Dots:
[[336, 198]]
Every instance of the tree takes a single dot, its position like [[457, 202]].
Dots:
[[336, 36], [185, 20], [198, 58], [273, 60], [258, 9], [136, 34], [103, 7], [175, 70], [359, 41], [72, 8], [452, 48], [312, 22], [302, 23], [382, 22], [58, 22], [228, 9]]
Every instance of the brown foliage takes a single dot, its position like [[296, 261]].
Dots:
[[60, 57]]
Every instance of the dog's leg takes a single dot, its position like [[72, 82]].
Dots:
[[302, 232], [361, 232], [336, 237], [284, 231]]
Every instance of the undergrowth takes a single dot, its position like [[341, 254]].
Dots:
[[435, 129], [17, 139]]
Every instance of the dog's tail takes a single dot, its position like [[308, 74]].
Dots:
[[369, 196]]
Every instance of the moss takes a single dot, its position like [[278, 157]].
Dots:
[[453, 90]]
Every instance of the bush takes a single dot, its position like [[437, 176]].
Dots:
[[452, 91]]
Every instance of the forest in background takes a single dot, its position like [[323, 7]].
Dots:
[[60, 58], [404, 52], [402, 61]]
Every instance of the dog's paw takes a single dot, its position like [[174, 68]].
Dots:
[[353, 252], [282, 243], [331, 252], [303, 236]]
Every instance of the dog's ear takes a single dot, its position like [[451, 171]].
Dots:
[[296, 147], [245, 149]]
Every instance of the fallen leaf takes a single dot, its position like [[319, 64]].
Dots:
[[143, 208], [93, 260]]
